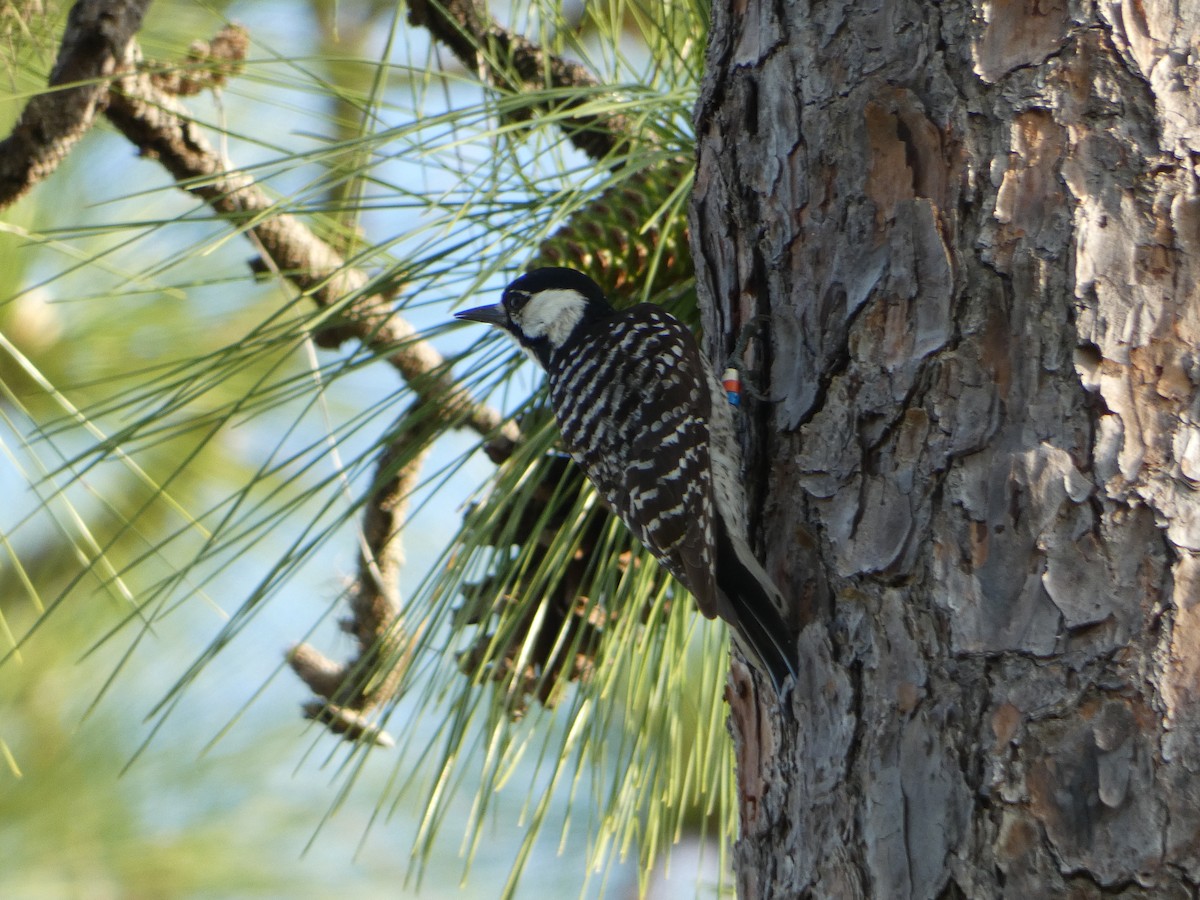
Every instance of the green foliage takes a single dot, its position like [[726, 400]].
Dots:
[[544, 646], [632, 239]]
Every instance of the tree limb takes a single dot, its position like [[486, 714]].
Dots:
[[97, 42], [383, 646], [478, 42], [98, 48], [157, 124]]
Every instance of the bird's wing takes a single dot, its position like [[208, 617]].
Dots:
[[655, 472]]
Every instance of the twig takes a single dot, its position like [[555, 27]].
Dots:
[[98, 49], [478, 42], [375, 673], [210, 64], [97, 41], [157, 124]]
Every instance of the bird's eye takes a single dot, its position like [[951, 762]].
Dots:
[[517, 301]]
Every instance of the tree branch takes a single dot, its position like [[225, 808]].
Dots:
[[97, 58], [157, 124], [478, 42], [97, 42], [98, 49], [349, 690]]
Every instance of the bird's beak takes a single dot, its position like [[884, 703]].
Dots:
[[489, 315]]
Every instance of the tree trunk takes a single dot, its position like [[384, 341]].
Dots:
[[976, 231]]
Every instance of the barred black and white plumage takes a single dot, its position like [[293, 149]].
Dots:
[[647, 421]]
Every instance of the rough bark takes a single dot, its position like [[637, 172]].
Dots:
[[975, 230]]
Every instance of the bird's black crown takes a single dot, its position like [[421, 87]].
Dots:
[[555, 278]]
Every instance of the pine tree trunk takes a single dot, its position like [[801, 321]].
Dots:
[[976, 231]]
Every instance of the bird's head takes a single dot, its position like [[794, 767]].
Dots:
[[543, 309]]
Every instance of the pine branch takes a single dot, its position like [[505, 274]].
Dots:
[[98, 41], [157, 124], [159, 127], [98, 48], [480, 43], [374, 674]]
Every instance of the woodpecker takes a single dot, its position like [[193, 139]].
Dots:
[[648, 421]]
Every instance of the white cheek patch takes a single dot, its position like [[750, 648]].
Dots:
[[552, 315]]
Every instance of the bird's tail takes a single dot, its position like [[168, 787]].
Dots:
[[753, 599]]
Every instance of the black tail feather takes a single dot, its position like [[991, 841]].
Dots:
[[750, 606]]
